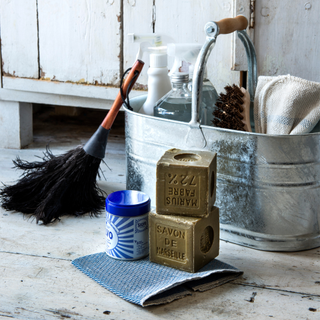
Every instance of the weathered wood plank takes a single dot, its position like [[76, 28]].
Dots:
[[287, 38], [185, 21], [296, 271], [286, 271], [54, 99], [137, 16], [19, 39], [239, 57], [290, 272], [80, 40], [45, 288], [37, 280], [60, 88]]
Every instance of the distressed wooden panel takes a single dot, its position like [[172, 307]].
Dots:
[[38, 281], [54, 99], [67, 89], [19, 42], [137, 16], [185, 20], [80, 40], [287, 38], [34, 287], [239, 57], [284, 271]]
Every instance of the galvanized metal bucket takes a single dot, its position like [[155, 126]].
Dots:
[[268, 186]]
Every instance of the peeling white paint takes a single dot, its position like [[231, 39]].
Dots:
[[19, 38], [80, 40]]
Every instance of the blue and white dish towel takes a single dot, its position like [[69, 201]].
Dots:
[[145, 283], [286, 105]]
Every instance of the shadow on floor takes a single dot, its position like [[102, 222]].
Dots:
[[51, 126]]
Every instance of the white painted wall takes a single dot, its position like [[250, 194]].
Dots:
[[287, 38], [19, 39], [137, 16], [185, 21], [80, 41]]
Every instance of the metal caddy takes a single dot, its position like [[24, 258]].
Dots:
[[268, 186]]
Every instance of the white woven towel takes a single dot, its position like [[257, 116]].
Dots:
[[286, 105]]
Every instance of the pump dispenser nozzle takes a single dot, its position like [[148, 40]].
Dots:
[[187, 52]]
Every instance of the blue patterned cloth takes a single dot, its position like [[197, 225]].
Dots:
[[145, 283]]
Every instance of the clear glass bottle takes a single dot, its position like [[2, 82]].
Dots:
[[209, 98], [176, 104], [208, 101]]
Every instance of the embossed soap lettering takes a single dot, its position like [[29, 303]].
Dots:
[[171, 232], [182, 202], [182, 192], [184, 180], [169, 242], [173, 254]]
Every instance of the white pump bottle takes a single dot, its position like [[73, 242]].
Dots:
[[159, 82]]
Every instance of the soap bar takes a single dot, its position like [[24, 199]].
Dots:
[[186, 183], [184, 243]]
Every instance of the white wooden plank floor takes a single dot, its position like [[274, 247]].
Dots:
[[37, 280]]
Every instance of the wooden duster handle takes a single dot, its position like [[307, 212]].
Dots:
[[230, 25], [111, 116]]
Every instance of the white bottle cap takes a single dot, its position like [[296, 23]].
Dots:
[[158, 60]]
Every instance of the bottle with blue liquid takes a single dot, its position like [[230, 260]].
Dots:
[[176, 104], [188, 53]]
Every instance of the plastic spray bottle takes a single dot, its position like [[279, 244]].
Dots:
[[188, 52], [158, 79]]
